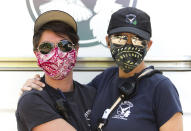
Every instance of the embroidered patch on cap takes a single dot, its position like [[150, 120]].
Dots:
[[131, 19]]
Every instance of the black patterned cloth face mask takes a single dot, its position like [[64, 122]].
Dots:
[[127, 56]]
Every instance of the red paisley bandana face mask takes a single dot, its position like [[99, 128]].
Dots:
[[57, 64]]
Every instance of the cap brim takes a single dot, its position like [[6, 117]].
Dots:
[[141, 33], [55, 15]]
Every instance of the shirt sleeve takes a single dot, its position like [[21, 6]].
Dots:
[[33, 110], [99, 81], [95, 82], [166, 102]]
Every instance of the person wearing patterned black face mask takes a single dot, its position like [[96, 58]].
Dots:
[[129, 40], [150, 103], [125, 100]]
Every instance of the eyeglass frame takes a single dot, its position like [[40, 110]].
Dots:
[[127, 36], [53, 45]]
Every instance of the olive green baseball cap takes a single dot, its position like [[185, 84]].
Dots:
[[55, 15]]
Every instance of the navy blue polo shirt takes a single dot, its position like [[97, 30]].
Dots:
[[155, 102]]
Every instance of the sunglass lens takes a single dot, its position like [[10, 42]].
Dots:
[[45, 48], [65, 46], [120, 40], [138, 41]]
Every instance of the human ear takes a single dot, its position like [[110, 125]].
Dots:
[[107, 41], [35, 52], [77, 48], [149, 44]]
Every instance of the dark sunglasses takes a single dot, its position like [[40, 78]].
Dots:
[[63, 45], [121, 40]]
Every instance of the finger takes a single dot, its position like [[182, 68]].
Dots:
[[20, 93], [32, 83], [27, 83], [37, 76], [37, 82], [31, 86], [35, 86], [25, 88]]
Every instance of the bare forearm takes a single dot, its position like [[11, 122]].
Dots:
[[55, 125], [175, 123]]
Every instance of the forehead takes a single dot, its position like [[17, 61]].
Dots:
[[125, 33], [50, 36]]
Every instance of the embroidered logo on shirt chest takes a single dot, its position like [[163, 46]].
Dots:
[[123, 110], [87, 116]]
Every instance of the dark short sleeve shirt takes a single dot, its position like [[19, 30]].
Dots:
[[155, 102], [35, 108], [38, 107]]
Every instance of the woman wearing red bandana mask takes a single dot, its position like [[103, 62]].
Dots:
[[58, 107]]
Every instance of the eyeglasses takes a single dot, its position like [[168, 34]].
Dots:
[[120, 40], [64, 45]]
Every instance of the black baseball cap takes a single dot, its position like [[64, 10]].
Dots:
[[131, 20], [55, 15]]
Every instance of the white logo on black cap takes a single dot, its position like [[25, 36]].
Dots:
[[131, 19]]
